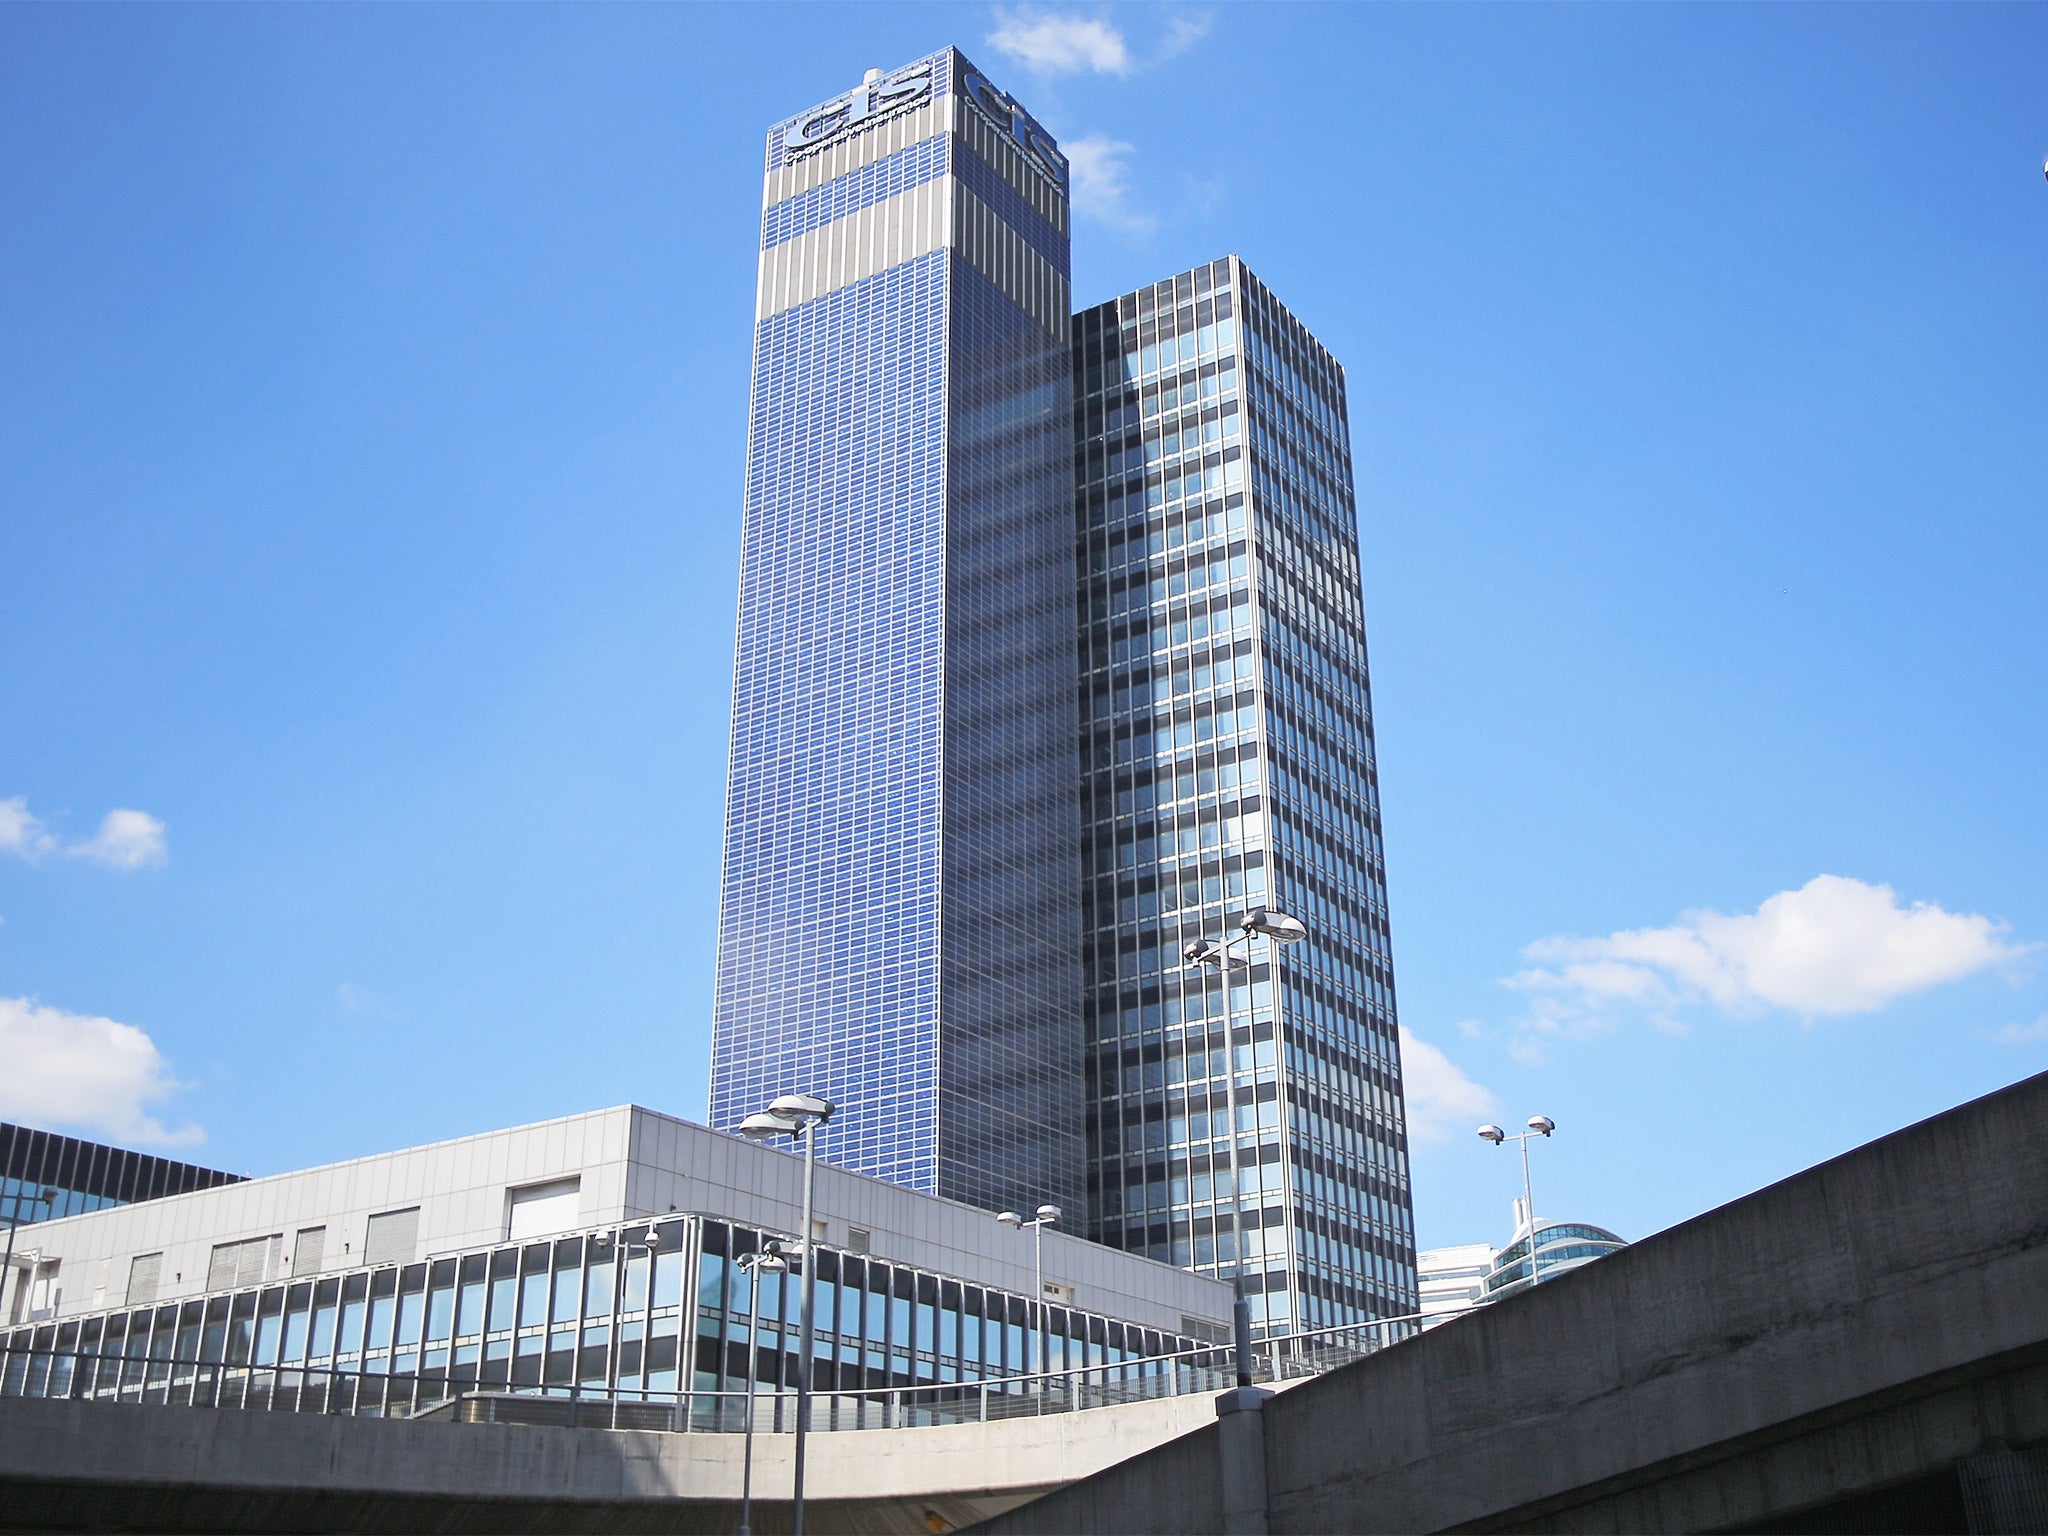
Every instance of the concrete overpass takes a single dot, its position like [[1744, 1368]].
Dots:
[[1863, 1347]]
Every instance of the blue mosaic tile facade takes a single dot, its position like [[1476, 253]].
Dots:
[[852, 193], [900, 914]]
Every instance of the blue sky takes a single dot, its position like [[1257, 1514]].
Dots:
[[372, 388]]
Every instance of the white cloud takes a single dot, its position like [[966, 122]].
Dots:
[[1063, 43], [1834, 946], [1060, 45], [1097, 167], [1442, 1101], [2023, 1034], [20, 833], [1185, 27], [72, 1069], [125, 840]]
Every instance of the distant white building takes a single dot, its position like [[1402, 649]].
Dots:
[[1453, 1279], [1458, 1278]]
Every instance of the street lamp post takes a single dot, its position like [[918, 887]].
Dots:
[[1045, 1216], [1539, 1125], [1259, 923], [800, 1115], [1276, 928], [7, 1282], [768, 1259]]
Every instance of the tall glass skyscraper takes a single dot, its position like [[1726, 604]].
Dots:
[[899, 925], [1252, 1118]]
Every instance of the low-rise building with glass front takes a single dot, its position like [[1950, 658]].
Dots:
[[592, 1255], [1247, 1119]]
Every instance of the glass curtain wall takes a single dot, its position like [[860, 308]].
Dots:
[[1247, 1124], [880, 1325], [594, 1313], [80, 1176]]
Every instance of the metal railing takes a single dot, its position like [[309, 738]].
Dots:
[[88, 1377]]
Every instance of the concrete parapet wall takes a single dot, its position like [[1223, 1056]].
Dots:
[[1868, 1320], [76, 1463]]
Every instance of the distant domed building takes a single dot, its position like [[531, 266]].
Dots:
[[1560, 1245], [1458, 1278]]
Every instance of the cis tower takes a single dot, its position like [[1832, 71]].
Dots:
[[1051, 662], [899, 917]]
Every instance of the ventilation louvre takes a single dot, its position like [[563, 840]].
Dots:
[[393, 1237]]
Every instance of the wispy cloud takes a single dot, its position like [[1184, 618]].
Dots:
[[1441, 1100], [2023, 1034], [81, 1071], [126, 839], [1101, 187], [1055, 44], [1835, 946], [1185, 27], [21, 834], [1052, 43]]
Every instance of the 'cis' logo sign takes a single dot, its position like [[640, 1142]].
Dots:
[[1008, 117], [886, 94], [870, 99]]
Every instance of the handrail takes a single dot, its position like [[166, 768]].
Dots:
[[90, 1376]]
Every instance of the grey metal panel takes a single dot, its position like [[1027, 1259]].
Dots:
[[393, 1237]]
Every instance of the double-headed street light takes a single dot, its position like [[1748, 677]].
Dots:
[[1045, 1216], [799, 1115], [1259, 923], [1539, 1125], [768, 1260], [1276, 928]]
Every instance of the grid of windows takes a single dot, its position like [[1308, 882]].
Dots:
[[1251, 1126], [828, 953], [1010, 205], [563, 1312], [888, 1325], [597, 1311], [898, 922]]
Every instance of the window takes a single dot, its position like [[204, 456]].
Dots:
[[540, 1210]]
